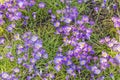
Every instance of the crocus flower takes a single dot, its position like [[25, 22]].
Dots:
[[117, 58], [2, 40], [58, 67], [57, 24], [10, 27], [41, 5], [5, 75], [16, 70], [97, 71], [17, 36]]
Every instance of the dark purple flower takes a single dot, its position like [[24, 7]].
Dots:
[[114, 6]]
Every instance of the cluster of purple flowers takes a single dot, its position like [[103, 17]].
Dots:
[[75, 34], [116, 21], [111, 43], [26, 58], [13, 11]]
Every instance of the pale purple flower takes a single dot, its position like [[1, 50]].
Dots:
[[82, 62], [58, 67], [97, 71], [117, 58], [45, 55], [1, 57], [16, 70], [17, 36], [2, 40], [70, 71], [5, 75], [33, 60], [57, 24], [10, 27], [42, 5], [2, 21]]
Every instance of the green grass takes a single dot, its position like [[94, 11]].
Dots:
[[51, 42]]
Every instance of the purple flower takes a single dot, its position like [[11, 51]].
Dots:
[[58, 67], [85, 19], [1, 21], [67, 20], [34, 15], [45, 56], [17, 36], [68, 62], [103, 60], [10, 27], [58, 60], [25, 57], [34, 38], [97, 71], [38, 55], [93, 68], [38, 44], [32, 3], [16, 70], [80, 1], [33, 60], [70, 71], [57, 24], [111, 75], [5, 75], [51, 75], [11, 58], [96, 9], [104, 54], [117, 58], [2, 40], [41, 5], [82, 62], [114, 6], [1, 57], [20, 60]]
